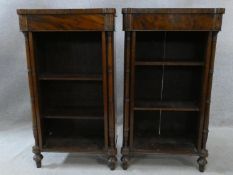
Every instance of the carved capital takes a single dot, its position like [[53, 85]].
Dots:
[[125, 151], [204, 153], [112, 151], [36, 149]]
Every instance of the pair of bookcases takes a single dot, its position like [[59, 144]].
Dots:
[[169, 57]]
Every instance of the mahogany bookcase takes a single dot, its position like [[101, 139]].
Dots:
[[169, 60], [70, 58]]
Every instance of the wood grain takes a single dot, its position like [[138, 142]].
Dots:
[[66, 19], [168, 76], [70, 56], [173, 19]]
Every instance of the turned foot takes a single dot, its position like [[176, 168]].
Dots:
[[37, 157], [202, 163], [124, 162], [112, 162]]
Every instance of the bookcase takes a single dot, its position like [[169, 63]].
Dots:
[[70, 58], [169, 59]]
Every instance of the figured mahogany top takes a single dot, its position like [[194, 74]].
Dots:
[[173, 10], [65, 11], [101, 19], [172, 19]]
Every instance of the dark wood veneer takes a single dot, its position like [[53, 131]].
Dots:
[[66, 19], [173, 19], [169, 58], [71, 78]]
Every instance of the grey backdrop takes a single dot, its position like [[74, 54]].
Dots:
[[14, 95]]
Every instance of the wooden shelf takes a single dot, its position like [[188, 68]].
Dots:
[[71, 77], [75, 149], [83, 135], [164, 145], [73, 112], [169, 63], [75, 143], [74, 117], [165, 106]]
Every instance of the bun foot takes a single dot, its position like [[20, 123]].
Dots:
[[38, 164], [37, 157], [124, 162], [202, 163], [112, 162]]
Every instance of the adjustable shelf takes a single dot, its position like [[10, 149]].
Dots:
[[74, 136], [164, 145], [74, 112], [168, 63], [72, 117], [165, 106], [74, 144], [71, 77]]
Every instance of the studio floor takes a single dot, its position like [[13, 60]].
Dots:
[[16, 141]]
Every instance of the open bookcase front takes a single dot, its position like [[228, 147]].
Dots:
[[169, 62], [69, 68], [170, 47], [78, 135], [167, 95], [165, 132]]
